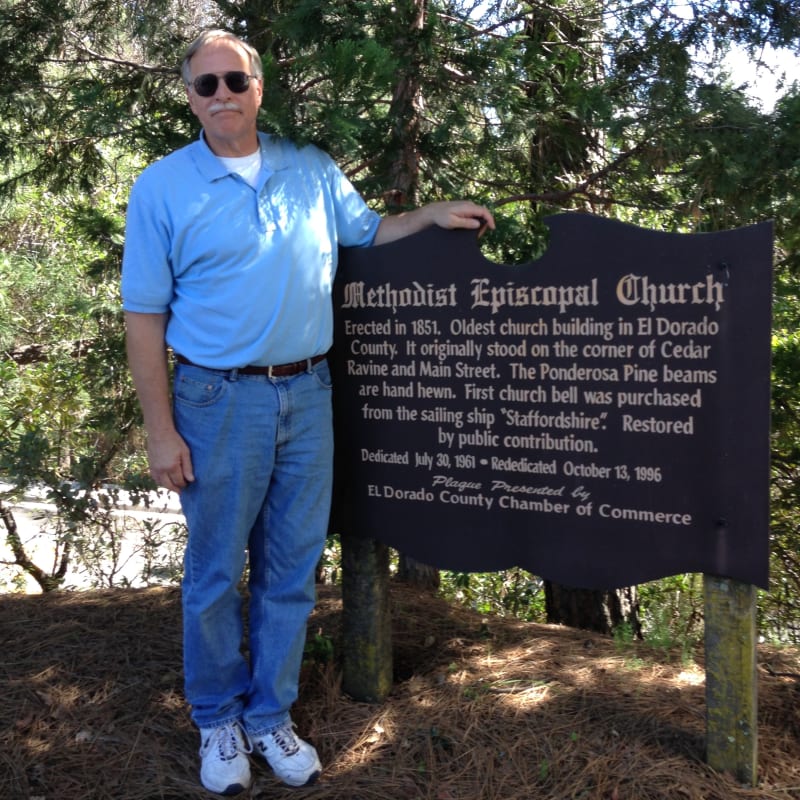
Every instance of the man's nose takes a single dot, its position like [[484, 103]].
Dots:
[[223, 92]]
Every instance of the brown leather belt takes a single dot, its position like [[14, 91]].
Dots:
[[278, 371]]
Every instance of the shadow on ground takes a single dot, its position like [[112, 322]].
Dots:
[[483, 709]]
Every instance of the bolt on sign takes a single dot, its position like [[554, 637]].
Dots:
[[599, 416]]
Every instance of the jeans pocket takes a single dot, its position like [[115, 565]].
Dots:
[[322, 373], [198, 388]]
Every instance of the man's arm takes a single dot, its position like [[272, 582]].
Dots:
[[169, 457], [455, 214]]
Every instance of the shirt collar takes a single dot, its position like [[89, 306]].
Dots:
[[273, 157]]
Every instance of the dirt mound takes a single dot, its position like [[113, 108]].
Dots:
[[483, 709]]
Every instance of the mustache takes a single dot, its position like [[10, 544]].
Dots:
[[217, 107]]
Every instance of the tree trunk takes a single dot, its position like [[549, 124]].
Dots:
[[404, 148], [592, 609], [406, 111], [414, 573]]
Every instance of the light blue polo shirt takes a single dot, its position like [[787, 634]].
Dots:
[[245, 272]]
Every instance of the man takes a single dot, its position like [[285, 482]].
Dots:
[[230, 255]]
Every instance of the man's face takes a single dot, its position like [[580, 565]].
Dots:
[[228, 119]]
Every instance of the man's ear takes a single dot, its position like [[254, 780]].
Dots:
[[190, 97]]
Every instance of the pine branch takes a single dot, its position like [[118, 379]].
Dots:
[[21, 559], [96, 57], [36, 353]]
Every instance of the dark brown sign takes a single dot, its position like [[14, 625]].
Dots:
[[599, 417]]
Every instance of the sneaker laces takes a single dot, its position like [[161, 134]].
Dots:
[[285, 738], [229, 739]]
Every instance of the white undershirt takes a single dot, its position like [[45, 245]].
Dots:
[[246, 166]]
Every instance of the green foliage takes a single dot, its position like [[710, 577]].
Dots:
[[513, 592], [672, 611], [67, 411], [319, 649], [624, 635]]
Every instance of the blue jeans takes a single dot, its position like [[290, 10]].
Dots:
[[262, 452]]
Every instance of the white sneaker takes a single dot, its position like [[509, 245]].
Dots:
[[293, 761], [225, 764]]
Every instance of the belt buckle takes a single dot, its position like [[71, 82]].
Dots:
[[290, 369]]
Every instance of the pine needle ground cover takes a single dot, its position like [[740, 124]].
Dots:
[[482, 709]]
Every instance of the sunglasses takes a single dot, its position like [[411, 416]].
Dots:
[[237, 81]]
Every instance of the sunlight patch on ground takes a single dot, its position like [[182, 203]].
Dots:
[[692, 676]]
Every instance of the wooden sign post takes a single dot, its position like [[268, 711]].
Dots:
[[367, 671], [731, 686]]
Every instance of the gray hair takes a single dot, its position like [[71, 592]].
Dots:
[[206, 37]]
